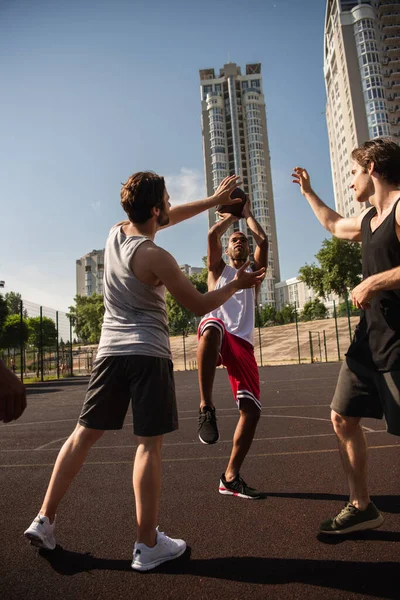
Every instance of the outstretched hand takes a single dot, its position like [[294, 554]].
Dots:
[[245, 279], [302, 177], [223, 192]]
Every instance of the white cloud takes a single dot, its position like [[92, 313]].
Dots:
[[187, 186]]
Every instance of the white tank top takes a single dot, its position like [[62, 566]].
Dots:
[[237, 313]]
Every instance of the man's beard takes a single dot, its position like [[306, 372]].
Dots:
[[162, 219]]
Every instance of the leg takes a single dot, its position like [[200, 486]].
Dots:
[[68, 463], [207, 358], [147, 487], [243, 437], [360, 513], [353, 453]]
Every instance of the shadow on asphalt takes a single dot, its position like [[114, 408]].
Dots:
[[388, 503], [376, 579]]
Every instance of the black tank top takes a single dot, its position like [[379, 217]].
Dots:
[[376, 341]]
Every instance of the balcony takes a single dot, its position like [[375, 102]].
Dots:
[[391, 29], [393, 51], [392, 40]]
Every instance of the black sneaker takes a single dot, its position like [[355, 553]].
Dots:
[[238, 487], [208, 430], [351, 519]]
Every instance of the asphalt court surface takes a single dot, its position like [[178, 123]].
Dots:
[[266, 548]]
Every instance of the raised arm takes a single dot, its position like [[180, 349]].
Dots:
[[259, 235], [180, 213], [166, 269], [340, 227], [215, 262]]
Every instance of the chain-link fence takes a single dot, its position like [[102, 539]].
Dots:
[[39, 344], [325, 340]]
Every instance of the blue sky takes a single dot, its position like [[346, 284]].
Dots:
[[93, 91]]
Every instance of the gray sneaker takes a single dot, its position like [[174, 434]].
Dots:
[[352, 519]]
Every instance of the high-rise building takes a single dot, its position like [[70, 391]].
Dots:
[[362, 76], [89, 273], [235, 140]]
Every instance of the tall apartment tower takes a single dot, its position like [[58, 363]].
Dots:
[[235, 140], [362, 77], [89, 273]]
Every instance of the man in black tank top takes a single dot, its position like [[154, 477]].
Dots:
[[369, 380]]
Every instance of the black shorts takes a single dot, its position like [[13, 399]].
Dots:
[[147, 381], [364, 392]]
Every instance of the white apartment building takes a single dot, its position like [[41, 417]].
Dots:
[[235, 140], [294, 291], [362, 77], [89, 273], [189, 270]]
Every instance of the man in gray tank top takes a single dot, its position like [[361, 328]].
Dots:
[[133, 364], [369, 380]]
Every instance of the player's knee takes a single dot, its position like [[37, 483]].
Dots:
[[211, 335], [343, 426], [86, 436], [249, 411]]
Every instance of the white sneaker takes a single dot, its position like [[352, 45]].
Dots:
[[41, 533], [166, 548]]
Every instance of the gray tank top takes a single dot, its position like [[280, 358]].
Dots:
[[135, 319]]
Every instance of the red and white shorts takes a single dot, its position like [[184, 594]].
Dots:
[[237, 356]]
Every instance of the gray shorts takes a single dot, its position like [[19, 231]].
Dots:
[[145, 381], [364, 392]]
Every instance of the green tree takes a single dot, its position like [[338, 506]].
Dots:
[[14, 332], [13, 300], [179, 318], [269, 314], [286, 315], [313, 310], [339, 270], [87, 317], [49, 331], [3, 312], [342, 310]]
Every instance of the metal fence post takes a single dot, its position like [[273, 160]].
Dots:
[[57, 349], [21, 340], [337, 332], [297, 332], [70, 341], [326, 353], [348, 314], [311, 347], [41, 344], [319, 346]]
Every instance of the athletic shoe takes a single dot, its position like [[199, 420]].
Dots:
[[237, 487], [351, 519], [166, 548], [208, 430], [41, 533]]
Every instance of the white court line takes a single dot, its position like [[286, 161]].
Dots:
[[180, 412], [174, 444], [188, 459], [50, 443]]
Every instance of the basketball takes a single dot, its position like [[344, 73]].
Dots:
[[234, 209]]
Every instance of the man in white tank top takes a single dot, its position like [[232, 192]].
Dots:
[[134, 364], [226, 336]]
